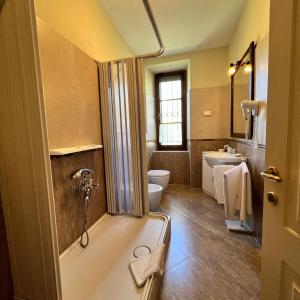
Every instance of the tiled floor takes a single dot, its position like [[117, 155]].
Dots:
[[205, 260]]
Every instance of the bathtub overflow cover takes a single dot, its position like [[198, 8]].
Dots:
[[139, 247]]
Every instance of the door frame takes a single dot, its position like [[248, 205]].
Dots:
[[25, 171]]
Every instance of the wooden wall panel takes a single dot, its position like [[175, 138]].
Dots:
[[177, 162], [67, 204]]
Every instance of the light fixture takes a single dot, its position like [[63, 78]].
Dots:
[[232, 69], [247, 67]]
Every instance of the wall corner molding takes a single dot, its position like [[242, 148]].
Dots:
[[25, 177]]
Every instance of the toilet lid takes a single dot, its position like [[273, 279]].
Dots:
[[158, 173]]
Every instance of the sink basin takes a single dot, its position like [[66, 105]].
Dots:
[[215, 158]]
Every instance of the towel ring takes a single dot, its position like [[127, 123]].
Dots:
[[141, 246]]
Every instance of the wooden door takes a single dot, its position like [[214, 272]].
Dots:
[[281, 228]]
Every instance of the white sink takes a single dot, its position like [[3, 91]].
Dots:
[[215, 158]]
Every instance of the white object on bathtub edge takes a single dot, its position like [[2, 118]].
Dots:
[[142, 268]]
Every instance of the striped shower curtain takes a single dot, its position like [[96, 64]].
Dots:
[[123, 125]]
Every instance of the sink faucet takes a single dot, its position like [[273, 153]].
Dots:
[[229, 149]]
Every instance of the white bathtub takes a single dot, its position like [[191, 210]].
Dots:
[[101, 270]]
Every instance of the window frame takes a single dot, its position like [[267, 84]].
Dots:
[[157, 78]]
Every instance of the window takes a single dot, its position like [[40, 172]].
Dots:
[[170, 93]]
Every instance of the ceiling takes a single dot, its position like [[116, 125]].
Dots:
[[184, 25], [169, 66]]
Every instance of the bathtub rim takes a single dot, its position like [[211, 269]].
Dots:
[[152, 285]]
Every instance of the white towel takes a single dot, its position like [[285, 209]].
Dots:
[[232, 180], [237, 191], [145, 266], [218, 175], [246, 197]]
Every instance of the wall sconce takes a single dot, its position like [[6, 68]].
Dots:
[[232, 69], [247, 67]]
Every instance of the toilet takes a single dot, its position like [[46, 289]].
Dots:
[[160, 177], [154, 192]]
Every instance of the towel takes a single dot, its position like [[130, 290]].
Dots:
[[237, 191], [246, 196], [218, 175], [232, 180], [145, 266]]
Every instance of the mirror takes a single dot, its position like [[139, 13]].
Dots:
[[242, 88]]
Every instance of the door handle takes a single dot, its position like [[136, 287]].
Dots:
[[272, 174]]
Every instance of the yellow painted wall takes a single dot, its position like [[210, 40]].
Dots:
[[70, 89], [150, 114], [84, 23], [149, 82], [207, 67], [254, 26], [72, 107], [208, 90], [209, 79], [150, 106]]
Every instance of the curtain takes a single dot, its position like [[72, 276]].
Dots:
[[123, 125]]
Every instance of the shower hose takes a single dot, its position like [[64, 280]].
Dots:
[[84, 238]]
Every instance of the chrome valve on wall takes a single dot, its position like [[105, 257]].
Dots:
[[85, 186]]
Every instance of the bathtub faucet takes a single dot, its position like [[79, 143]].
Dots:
[[87, 183], [85, 188]]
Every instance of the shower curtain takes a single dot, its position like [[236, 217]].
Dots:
[[123, 125]]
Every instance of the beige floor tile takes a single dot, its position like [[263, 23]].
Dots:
[[205, 260]]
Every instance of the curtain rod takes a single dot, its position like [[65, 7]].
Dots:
[[156, 31], [157, 34]]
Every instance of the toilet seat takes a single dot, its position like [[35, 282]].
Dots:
[[160, 177], [158, 173], [152, 188]]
